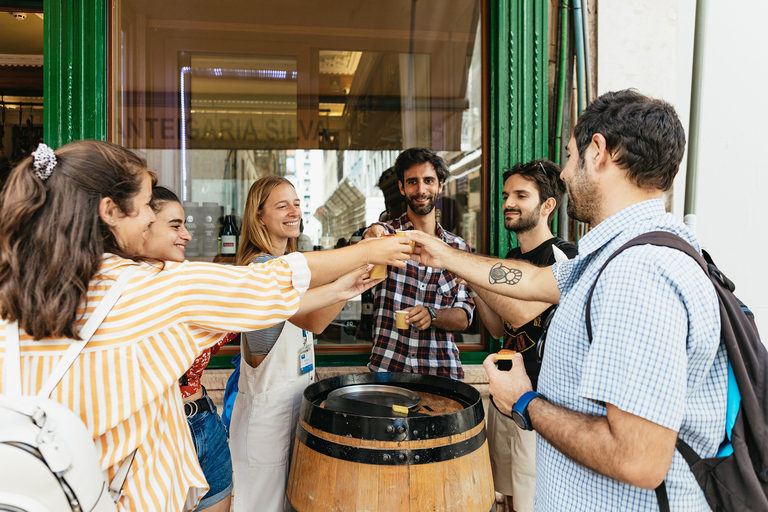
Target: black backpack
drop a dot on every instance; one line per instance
(738, 481)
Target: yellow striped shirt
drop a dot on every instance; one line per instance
(124, 384)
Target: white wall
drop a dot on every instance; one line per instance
(733, 185)
(649, 45)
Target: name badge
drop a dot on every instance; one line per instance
(306, 364)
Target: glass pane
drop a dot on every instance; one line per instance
(326, 94)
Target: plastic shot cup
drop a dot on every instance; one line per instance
(378, 272)
(403, 233)
(400, 322)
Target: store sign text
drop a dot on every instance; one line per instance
(161, 131)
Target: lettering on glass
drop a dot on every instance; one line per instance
(216, 131)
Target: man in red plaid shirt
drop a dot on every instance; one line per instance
(436, 304)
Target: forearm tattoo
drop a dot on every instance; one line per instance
(500, 274)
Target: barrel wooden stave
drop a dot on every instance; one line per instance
(323, 483)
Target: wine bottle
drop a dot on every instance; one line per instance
(229, 234)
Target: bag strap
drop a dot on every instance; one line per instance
(12, 360)
(662, 498)
(93, 323)
(116, 485)
(658, 238)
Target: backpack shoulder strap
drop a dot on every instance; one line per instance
(658, 238)
(93, 323)
(12, 360)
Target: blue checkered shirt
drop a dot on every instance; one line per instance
(655, 353)
(431, 351)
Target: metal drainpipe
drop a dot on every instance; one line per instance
(587, 59)
(562, 216)
(580, 72)
(691, 175)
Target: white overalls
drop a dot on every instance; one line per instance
(264, 420)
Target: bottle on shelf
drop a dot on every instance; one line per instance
(365, 327)
(304, 242)
(327, 242)
(193, 225)
(229, 234)
(210, 238)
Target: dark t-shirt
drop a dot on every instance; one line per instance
(525, 339)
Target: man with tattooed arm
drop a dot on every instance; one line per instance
(608, 413)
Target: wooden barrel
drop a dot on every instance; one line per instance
(434, 462)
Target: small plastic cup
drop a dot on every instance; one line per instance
(378, 272)
(403, 233)
(400, 320)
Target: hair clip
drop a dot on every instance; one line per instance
(45, 161)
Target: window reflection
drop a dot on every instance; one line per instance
(324, 93)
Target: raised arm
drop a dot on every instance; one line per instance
(327, 266)
(515, 311)
(511, 278)
(491, 320)
(320, 305)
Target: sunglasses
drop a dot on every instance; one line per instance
(543, 337)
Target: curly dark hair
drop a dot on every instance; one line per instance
(415, 156)
(643, 134)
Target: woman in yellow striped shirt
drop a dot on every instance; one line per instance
(71, 223)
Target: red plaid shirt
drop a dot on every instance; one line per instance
(432, 350)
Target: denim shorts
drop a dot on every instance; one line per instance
(210, 438)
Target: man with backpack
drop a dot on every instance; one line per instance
(609, 409)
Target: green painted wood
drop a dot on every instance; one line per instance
(329, 360)
(541, 83)
(518, 101)
(519, 98)
(75, 70)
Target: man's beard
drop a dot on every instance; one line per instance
(584, 199)
(525, 221)
(421, 210)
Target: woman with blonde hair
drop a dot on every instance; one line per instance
(73, 221)
(276, 364)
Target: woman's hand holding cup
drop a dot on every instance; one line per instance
(389, 250)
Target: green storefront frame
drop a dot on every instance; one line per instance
(76, 96)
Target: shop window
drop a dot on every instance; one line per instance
(21, 84)
(324, 94)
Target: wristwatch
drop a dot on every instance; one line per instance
(520, 410)
(432, 314)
